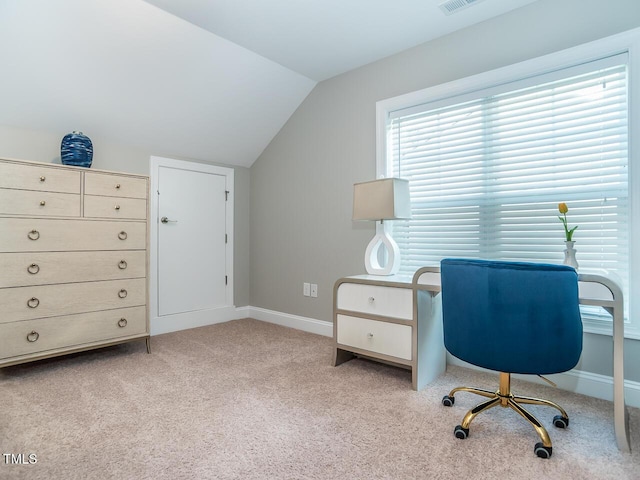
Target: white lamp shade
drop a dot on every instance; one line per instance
(385, 199)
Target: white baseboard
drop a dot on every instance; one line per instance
(184, 321)
(311, 325)
(577, 381)
(200, 318)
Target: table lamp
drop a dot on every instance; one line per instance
(379, 200)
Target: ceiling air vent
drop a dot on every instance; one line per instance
(453, 6)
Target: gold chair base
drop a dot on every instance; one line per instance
(504, 398)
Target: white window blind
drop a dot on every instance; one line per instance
(488, 169)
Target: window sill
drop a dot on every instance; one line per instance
(606, 328)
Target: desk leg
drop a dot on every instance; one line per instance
(431, 357)
(620, 413)
(341, 356)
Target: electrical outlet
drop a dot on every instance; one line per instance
(306, 289)
(314, 290)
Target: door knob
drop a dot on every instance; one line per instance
(166, 220)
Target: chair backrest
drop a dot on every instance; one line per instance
(513, 317)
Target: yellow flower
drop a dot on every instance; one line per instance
(563, 209)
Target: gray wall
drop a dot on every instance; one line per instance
(41, 146)
(301, 186)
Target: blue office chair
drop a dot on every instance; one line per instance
(511, 317)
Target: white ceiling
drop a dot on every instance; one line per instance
(216, 87)
(323, 38)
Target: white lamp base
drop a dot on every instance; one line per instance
(371, 256)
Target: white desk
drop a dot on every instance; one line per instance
(594, 290)
(386, 319)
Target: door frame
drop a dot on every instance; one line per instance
(198, 318)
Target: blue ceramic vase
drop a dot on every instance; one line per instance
(76, 149)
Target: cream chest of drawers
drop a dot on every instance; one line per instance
(73, 260)
(391, 319)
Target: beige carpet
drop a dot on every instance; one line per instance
(251, 400)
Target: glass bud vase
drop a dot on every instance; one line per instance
(570, 255)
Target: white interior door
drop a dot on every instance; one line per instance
(191, 240)
(191, 253)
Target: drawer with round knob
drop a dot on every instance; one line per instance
(377, 300)
(115, 207)
(25, 202)
(43, 268)
(45, 178)
(24, 303)
(104, 184)
(41, 234)
(42, 335)
(384, 338)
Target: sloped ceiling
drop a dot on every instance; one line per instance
(136, 75)
(323, 38)
(213, 80)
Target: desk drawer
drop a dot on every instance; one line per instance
(42, 268)
(41, 178)
(115, 207)
(25, 303)
(26, 202)
(377, 300)
(385, 338)
(114, 185)
(32, 336)
(38, 234)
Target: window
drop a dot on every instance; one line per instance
(488, 166)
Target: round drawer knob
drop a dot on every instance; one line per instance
(118, 186)
(369, 335)
(122, 293)
(372, 299)
(33, 336)
(122, 235)
(117, 207)
(122, 265)
(33, 302)
(122, 322)
(43, 178)
(43, 203)
(33, 268)
(33, 235)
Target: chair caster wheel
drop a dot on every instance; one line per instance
(541, 451)
(560, 421)
(460, 432)
(448, 401)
